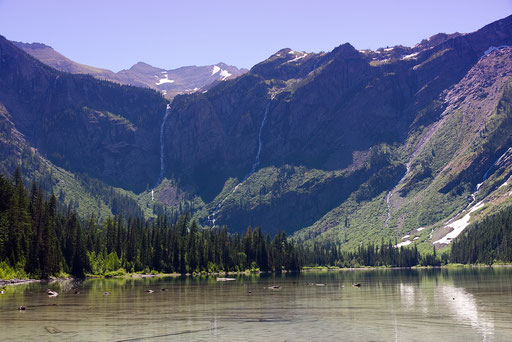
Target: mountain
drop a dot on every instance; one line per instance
(184, 80)
(49, 56)
(347, 146)
(85, 125)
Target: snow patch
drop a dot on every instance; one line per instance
(406, 236)
(225, 74)
(459, 225)
(299, 57)
(405, 243)
(164, 80)
(215, 70)
(411, 56)
(420, 229)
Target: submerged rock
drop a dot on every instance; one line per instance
(52, 293)
(275, 287)
(225, 279)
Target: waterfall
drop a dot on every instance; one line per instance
(471, 207)
(504, 157)
(161, 176)
(211, 218)
(260, 144)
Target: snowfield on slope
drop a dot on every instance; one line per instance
(458, 225)
(164, 80)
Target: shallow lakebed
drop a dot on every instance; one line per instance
(390, 305)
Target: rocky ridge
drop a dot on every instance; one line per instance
(184, 80)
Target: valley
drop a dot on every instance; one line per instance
(256, 171)
(346, 147)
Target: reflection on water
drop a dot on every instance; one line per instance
(407, 295)
(465, 309)
(391, 305)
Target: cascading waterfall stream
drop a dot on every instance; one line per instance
(211, 218)
(260, 144)
(419, 147)
(504, 157)
(471, 207)
(161, 176)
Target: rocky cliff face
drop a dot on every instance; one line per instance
(325, 107)
(327, 112)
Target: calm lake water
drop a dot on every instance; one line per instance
(391, 305)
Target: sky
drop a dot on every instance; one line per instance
(116, 34)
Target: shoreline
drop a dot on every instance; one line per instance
(126, 276)
(12, 282)
(18, 281)
(363, 268)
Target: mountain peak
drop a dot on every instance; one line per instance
(345, 50)
(142, 67)
(282, 52)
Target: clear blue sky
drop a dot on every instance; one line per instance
(116, 34)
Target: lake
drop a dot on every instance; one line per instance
(390, 305)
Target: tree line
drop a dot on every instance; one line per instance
(385, 254)
(39, 238)
(486, 242)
